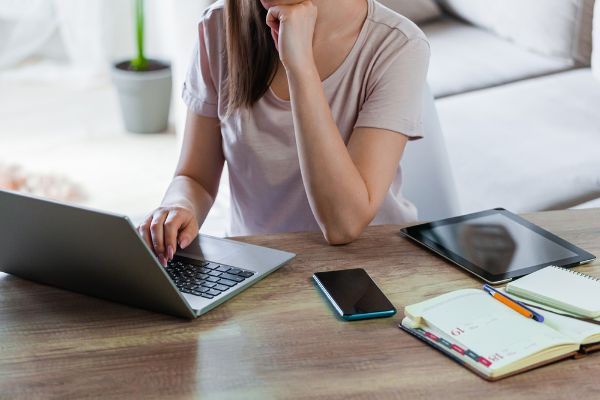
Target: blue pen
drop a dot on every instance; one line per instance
(535, 316)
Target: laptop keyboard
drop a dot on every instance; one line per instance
(205, 279)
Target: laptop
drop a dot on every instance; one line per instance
(101, 254)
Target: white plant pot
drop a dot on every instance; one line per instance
(144, 96)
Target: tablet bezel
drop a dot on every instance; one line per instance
(416, 233)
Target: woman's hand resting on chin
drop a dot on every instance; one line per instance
(292, 28)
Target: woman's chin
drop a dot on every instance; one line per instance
(272, 3)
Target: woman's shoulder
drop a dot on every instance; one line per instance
(388, 22)
(211, 30)
(213, 14)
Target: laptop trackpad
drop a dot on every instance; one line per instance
(213, 249)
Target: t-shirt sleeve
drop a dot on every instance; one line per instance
(394, 99)
(199, 90)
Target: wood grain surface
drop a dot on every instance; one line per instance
(278, 339)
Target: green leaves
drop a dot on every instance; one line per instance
(140, 62)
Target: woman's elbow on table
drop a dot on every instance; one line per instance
(342, 233)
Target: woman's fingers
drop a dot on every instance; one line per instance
(273, 23)
(166, 227)
(188, 233)
(176, 220)
(275, 37)
(144, 231)
(157, 232)
(273, 15)
(292, 28)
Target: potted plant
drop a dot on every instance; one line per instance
(144, 86)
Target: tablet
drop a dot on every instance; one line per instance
(496, 245)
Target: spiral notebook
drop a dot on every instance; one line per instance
(561, 288)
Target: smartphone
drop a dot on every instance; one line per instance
(353, 294)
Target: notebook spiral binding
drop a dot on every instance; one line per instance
(577, 273)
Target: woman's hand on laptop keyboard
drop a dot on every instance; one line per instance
(166, 227)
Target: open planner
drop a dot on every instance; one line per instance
(493, 340)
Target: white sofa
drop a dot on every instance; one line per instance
(517, 100)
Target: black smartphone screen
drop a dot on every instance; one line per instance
(353, 292)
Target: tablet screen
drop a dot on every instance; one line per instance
(497, 245)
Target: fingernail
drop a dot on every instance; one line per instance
(184, 242)
(170, 252)
(162, 260)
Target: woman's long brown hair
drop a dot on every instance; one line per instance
(251, 54)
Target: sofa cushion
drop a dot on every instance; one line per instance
(558, 28)
(415, 10)
(526, 146)
(465, 58)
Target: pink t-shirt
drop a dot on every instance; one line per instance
(380, 84)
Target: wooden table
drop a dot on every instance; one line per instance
(276, 340)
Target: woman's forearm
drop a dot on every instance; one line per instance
(185, 191)
(192, 191)
(337, 193)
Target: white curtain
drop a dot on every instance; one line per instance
(83, 26)
(76, 41)
(85, 37)
(70, 40)
(25, 27)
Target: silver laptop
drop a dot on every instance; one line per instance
(101, 254)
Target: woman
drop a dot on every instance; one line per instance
(311, 104)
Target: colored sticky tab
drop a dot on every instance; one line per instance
(458, 349)
(431, 336)
(445, 343)
(472, 354)
(485, 361)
